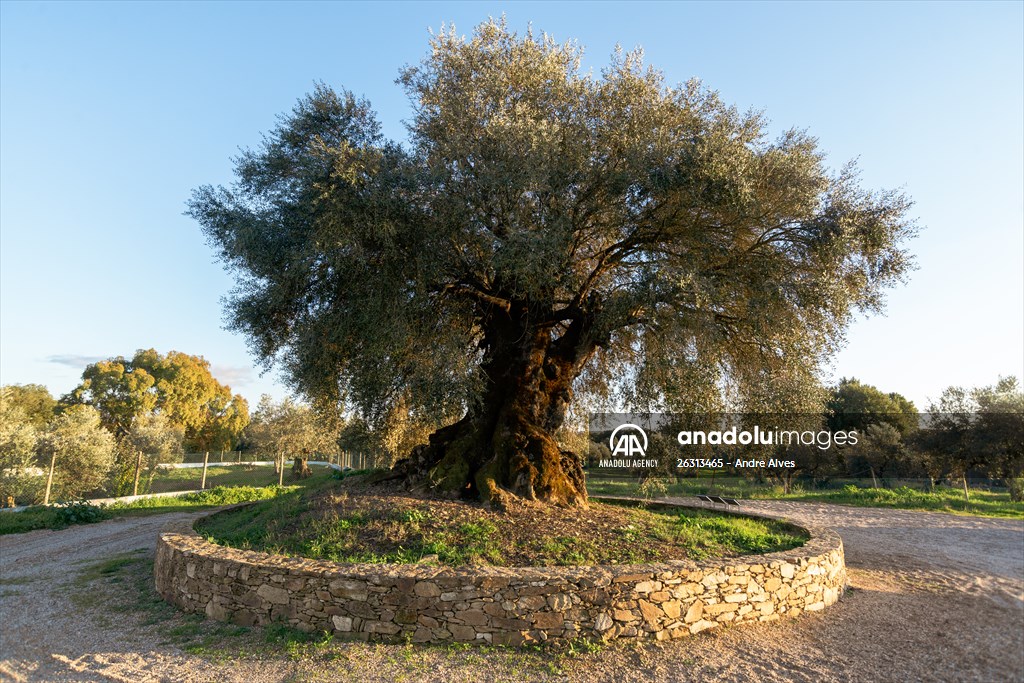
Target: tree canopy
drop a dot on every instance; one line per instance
(34, 400)
(177, 386)
(84, 449)
(291, 429)
(548, 235)
(855, 405)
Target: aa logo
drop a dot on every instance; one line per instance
(626, 441)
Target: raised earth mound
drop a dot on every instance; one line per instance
(354, 521)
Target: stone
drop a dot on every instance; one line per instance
(603, 622)
(694, 613)
(342, 623)
(426, 589)
(624, 615)
(385, 627)
(510, 624)
(548, 620)
(532, 602)
(559, 601)
(494, 609)
(347, 588)
(720, 608)
(650, 611)
(277, 596)
(736, 597)
(672, 609)
(490, 583)
(463, 633)
(473, 617)
(513, 639)
(648, 586)
(406, 616)
(703, 625)
(218, 612)
(787, 570)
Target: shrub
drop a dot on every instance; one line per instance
(79, 512)
(1015, 485)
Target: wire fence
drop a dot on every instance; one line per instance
(194, 472)
(356, 460)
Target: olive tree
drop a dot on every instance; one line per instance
(19, 476)
(82, 449)
(288, 427)
(546, 235)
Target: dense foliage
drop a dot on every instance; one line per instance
(176, 385)
(547, 234)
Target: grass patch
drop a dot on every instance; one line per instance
(365, 526)
(16, 581)
(40, 517)
(942, 499)
(237, 475)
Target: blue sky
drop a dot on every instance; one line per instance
(110, 114)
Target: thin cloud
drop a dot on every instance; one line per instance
(73, 360)
(232, 375)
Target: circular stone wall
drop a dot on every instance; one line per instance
(500, 605)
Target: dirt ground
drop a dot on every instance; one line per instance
(933, 597)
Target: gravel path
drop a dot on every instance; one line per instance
(933, 597)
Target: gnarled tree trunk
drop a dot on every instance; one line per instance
(505, 445)
(300, 467)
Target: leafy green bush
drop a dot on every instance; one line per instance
(1015, 486)
(79, 512)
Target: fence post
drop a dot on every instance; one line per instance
(280, 472)
(206, 461)
(49, 477)
(138, 466)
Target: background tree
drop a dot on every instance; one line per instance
(880, 447)
(999, 432)
(290, 429)
(35, 401)
(19, 474)
(854, 405)
(177, 386)
(547, 234)
(158, 439)
(357, 437)
(84, 449)
(948, 435)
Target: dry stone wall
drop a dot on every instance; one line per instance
(499, 605)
